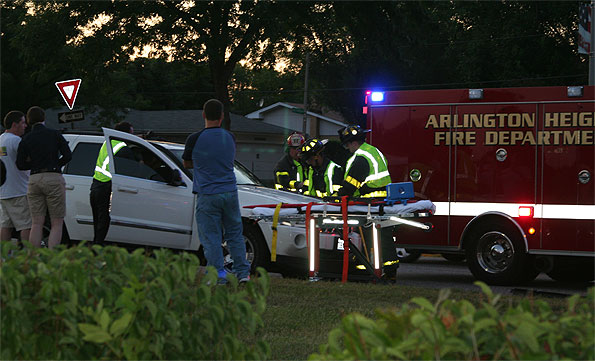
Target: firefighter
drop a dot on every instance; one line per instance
(290, 173)
(324, 175)
(366, 175)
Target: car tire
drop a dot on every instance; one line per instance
(407, 255)
(496, 255)
(257, 252)
(46, 233)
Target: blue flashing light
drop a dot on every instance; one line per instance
(377, 96)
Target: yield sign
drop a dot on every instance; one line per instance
(68, 89)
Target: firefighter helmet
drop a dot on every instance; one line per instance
(311, 148)
(352, 132)
(295, 140)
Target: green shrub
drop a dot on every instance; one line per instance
(92, 303)
(458, 330)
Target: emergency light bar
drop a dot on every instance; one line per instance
(377, 96)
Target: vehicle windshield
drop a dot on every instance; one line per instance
(243, 175)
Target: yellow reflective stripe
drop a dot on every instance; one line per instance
(374, 194)
(282, 173)
(390, 263)
(353, 181)
(274, 241)
(336, 188)
(307, 182)
(329, 175)
(278, 186)
(292, 184)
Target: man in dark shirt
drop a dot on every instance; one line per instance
(44, 151)
(211, 153)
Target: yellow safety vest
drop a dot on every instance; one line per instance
(102, 172)
(379, 176)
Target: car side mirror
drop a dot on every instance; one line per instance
(175, 178)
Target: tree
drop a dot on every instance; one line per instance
(455, 44)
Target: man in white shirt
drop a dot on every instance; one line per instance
(14, 209)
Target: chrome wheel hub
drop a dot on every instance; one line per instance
(495, 252)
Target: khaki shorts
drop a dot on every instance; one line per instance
(47, 193)
(14, 213)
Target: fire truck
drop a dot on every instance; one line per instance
(510, 171)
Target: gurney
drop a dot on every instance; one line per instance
(333, 213)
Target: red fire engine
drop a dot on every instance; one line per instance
(510, 171)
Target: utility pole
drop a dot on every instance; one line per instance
(306, 94)
(592, 47)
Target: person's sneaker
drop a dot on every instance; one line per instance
(245, 279)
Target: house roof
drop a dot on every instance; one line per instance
(167, 121)
(258, 114)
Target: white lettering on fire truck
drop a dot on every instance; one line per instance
(494, 129)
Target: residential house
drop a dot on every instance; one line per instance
(259, 144)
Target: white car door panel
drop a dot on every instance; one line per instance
(146, 211)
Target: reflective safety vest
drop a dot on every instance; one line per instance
(330, 187)
(102, 172)
(300, 177)
(379, 176)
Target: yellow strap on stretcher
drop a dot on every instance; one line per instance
(274, 241)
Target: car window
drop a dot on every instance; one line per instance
(135, 160)
(243, 175)
(84, 157)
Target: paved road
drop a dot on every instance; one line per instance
(436, 272)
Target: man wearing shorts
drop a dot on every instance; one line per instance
(44, 151)
(14, 210)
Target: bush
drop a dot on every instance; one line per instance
(458, 330)
(93, 302)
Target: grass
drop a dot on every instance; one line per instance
(300, 314)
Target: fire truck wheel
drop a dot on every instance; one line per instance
(496, 254)
(572, 270)
(408, 255)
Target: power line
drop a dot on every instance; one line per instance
(390, 87)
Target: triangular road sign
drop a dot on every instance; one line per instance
(68, 89)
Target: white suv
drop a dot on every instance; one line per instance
(153, 205)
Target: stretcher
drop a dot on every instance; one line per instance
(344, 215)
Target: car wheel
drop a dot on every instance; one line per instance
(407, 255)
(257, 252)
(572, 270)
(496, 254)
(46, 234)
(453, 257)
